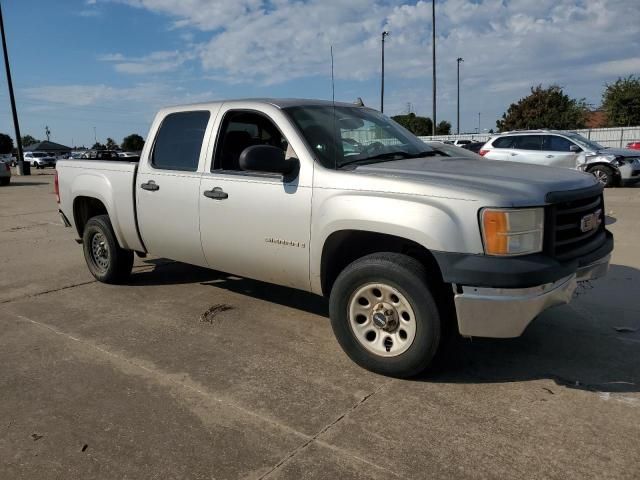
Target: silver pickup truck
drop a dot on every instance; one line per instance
(409, 243)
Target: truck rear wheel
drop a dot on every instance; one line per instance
(384, 315)
(107, 262)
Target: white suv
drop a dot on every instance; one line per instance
(565, 149)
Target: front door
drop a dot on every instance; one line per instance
(255, 224)
(557, 151)
(168, 187)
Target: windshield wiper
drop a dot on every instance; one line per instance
(398, 155)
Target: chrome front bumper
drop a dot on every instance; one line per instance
(506, 312)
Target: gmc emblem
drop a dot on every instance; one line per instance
(591, 221)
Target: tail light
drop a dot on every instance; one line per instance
(6, 167)
(56, 187)
(483, 152)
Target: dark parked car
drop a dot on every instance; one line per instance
(473, 146)
(107, 155)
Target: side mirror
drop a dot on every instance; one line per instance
(574, 148)
(266, 158)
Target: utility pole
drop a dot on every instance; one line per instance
(384, 34)
(433, 50)
(460, 59)
(47, 132)
(479, 122)
(95, 136)
(23, 169)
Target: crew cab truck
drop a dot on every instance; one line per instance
(408, 242)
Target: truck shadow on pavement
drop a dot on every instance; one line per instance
(167, 272)
(593, 344)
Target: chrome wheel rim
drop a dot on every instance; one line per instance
(100, 251)
(382, 320)
(601, 176)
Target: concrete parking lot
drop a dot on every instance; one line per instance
(100, 381)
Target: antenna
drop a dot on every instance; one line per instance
(333, 103)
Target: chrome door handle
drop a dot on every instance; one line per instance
(150, 186)
(550, 156)
(217, 194)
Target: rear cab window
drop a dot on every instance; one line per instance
(179, 139)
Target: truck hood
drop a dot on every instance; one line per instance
(505, 183)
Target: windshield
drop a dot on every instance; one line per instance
(39, 154)
(354, 135)
(583, 142)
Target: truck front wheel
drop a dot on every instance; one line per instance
(107, 262)
(384, 315)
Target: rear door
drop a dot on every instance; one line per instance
(557, 151)
(500, 148)
(168, 183)
(527, 149)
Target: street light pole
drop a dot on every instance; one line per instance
(460, 59)
(479, 122)
(21, 165)
(433, 51)
(384, 34)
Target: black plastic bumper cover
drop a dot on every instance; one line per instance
(512, 272)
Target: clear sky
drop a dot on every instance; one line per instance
(109, 64)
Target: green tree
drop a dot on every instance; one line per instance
(28, 140)
(111, 144)
(133, 143)
(420, 126)
(443, 128)
(544, 108)
(98, 146)
(621, 102)
(6, 143)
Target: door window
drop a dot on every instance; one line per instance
(553, 143)
(503, 142)
(179, 140)
(243, 129)
(528, 142)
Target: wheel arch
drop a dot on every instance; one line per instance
(343, 247)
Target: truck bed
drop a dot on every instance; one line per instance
(112, 183)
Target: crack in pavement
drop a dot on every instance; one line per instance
(164, 377)
(315, 439)
(66, 287)
(161, 375)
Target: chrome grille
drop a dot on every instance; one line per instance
(568, 234)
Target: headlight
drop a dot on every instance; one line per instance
(512, 231)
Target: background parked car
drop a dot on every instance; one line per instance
(458, 142)
(473, 146)
(5, 172)
(452, 150)
(128, 154)
(634, 145)
(101, 155)
(610, 166)
(40, 159)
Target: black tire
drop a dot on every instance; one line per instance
(604, 175)
(410, 278)
(108, 265)
(4, 181)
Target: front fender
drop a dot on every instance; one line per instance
(440, 224)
